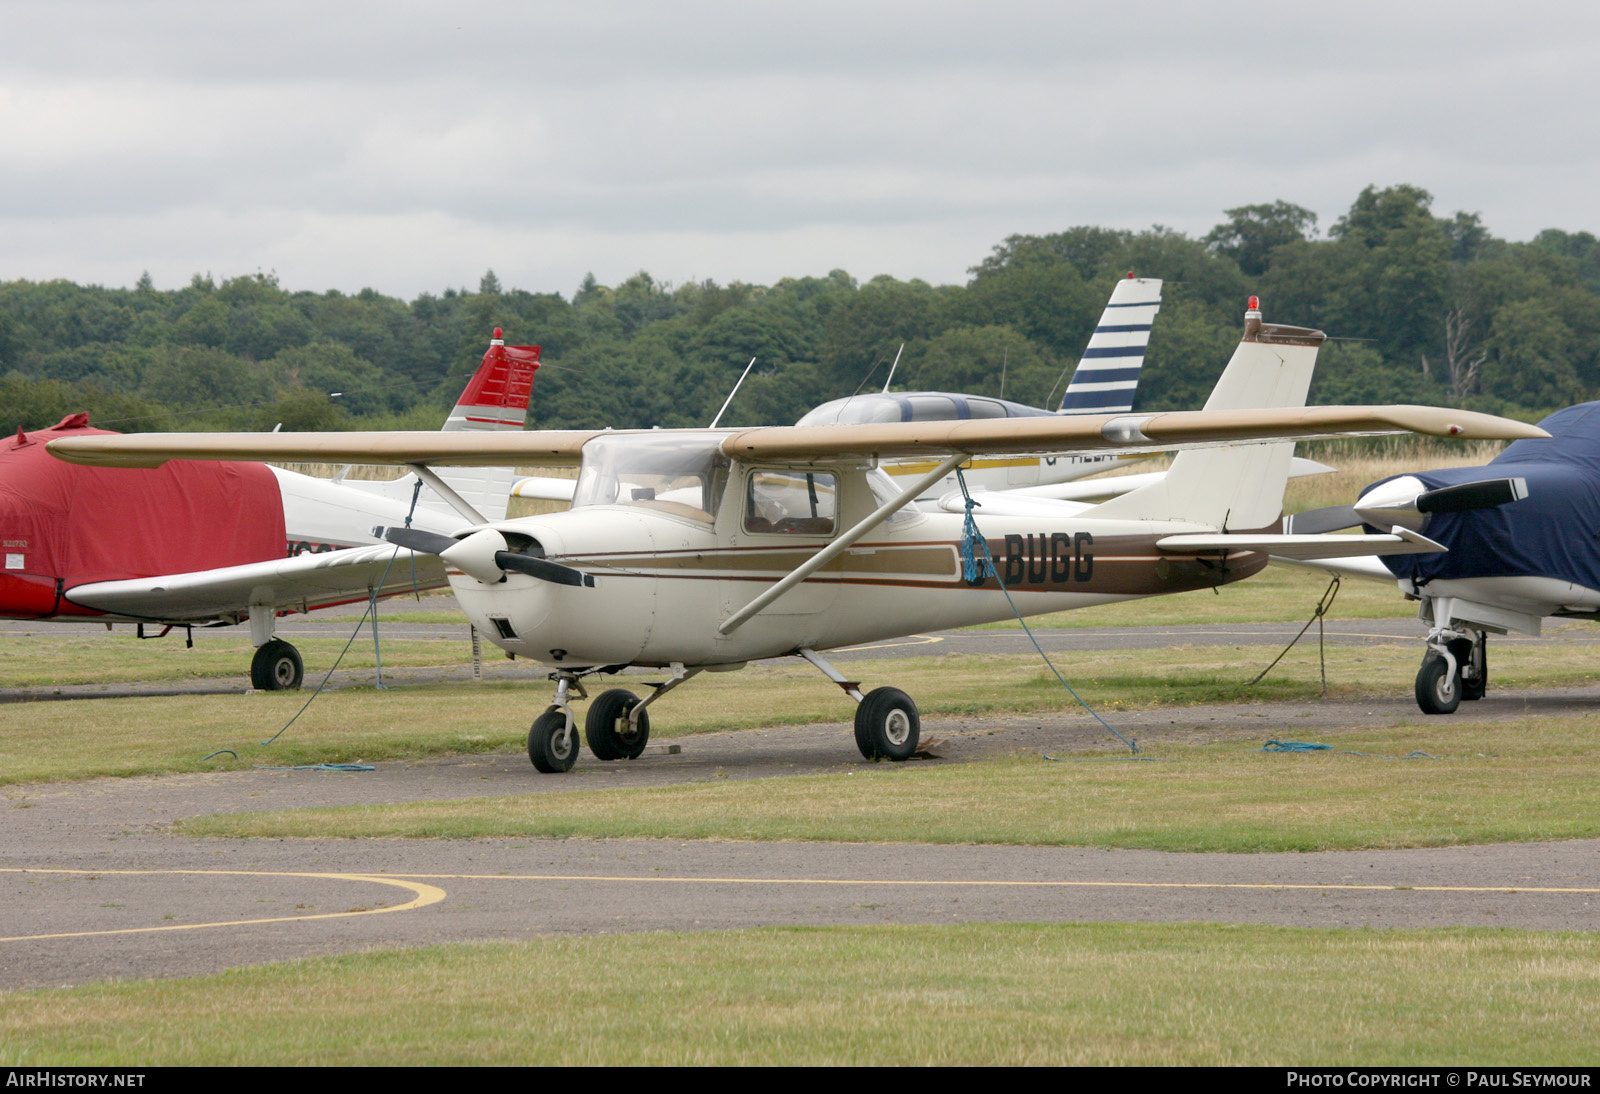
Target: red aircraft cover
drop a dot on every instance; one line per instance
(63, 525)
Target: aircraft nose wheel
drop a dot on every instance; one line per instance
(276, 667)
(887, 725)
(1438, 688)
(552, 747)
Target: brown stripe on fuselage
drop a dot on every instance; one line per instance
(1044, 562)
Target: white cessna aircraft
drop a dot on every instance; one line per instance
(209, 544)
(701, 550)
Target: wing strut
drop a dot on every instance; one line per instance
(840, 545)
(451, 498)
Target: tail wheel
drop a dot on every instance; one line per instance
(276, 667)
(611, 735)
(551, 748)
(887, 725)
(1438, 689)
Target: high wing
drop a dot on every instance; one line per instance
(1054, 434)
(300, 583)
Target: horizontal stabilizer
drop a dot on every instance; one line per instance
(1084, 490)
(1366, 567)
(1011, 503)
(1315, 522)
(1402, 542)
(544, 488)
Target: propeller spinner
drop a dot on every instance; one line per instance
(485, 555)
(1405, 503)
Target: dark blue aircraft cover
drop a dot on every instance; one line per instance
(1550, 533)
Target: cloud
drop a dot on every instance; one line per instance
(399, 145)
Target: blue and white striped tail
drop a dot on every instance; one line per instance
(1108, 374)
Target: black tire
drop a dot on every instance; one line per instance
(1438, 691)
(887, 725)
(545, 745)
(611, 737)
(1474, 652)
(276, 667)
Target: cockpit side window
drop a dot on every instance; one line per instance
(796, 503)
(934, 408)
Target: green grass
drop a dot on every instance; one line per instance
(156, 735)
(1531, 779)
(966, 994)
(45, 658)
(1279, 594)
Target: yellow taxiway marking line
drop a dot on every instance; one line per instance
(1000, 884)
(910, 640)
(423, 895)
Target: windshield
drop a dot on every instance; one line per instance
(670, 472)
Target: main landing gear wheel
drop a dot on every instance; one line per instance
(276, 667)
(611, 735)
(887, 725)
(1438, 689)
(1472, 654)
(551, 748)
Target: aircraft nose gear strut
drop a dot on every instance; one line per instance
(1456, 667)
(617, 727)
(553, 737)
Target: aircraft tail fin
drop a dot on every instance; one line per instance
(1237, 487)
(1107, 375)
(496, 398)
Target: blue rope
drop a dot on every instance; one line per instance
(318, 767)
(1276, 745)
(972, 542)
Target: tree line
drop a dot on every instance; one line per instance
(1419, 308)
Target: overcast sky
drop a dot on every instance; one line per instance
(410, 146)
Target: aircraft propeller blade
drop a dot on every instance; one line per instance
(415, 539)
(1316, 522)
(1403, 503)
(1472, 495)
(467, 554)
(543, 569)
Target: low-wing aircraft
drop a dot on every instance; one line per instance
(1521, 539)
(197, 544)
(701, 550)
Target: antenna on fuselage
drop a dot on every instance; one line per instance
(892, 367)
(731, 394)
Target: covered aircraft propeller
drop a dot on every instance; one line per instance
(1404, 503)
(485, 555)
